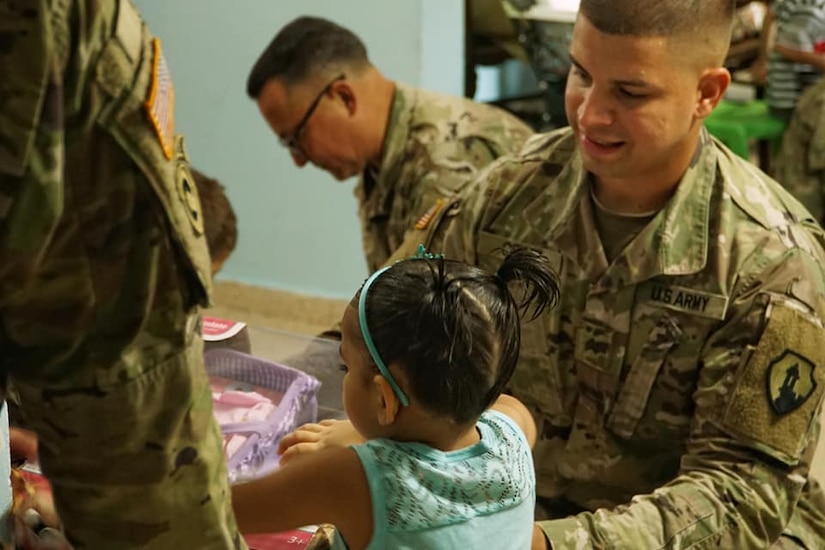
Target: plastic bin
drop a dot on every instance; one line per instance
(298, 405)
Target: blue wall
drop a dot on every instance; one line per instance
(298, 228)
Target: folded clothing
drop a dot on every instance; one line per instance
(256, 403)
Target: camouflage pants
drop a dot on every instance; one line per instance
(166, 483)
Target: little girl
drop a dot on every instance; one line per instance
(428, 345)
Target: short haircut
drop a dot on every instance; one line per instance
(304, 48)
(219, 222)
(708, 21)
(453, 328)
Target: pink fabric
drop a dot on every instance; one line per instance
(240, 403)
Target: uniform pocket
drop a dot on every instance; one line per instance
(634, 394)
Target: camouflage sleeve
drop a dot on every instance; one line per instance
(800, 163)
(30, 184)
(439, 182)
(753, 432)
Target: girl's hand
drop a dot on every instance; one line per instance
(311, 438)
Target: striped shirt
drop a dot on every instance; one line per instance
(800, 25)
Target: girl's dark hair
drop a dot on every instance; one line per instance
(454, 328)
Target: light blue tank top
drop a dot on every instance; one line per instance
(482, 496)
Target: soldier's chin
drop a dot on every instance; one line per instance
(344, 173)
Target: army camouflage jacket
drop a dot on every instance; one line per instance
(103, 268)
(434, 145)
(676, 389)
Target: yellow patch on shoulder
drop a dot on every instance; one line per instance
(160, 105)
(424, 221)
(779, 390)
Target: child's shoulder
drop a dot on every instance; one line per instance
(499, 420)
(505, 439)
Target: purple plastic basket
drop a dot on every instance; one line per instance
(299, 405)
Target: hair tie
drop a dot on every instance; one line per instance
(421, 253)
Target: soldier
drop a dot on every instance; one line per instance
(677, 386)
(103, 267)
(328, 105)
(800, 162)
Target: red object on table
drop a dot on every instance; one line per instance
(35, 479)
(297, 539)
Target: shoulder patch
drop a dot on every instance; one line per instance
(160, 106)
(424, 221)
(780, 388)
(790, 381)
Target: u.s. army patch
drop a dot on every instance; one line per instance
(688, 300)
(790, 381)
(160, 105)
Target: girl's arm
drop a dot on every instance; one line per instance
(518, 413)
(325, 487)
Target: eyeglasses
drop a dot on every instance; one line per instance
(291, 142)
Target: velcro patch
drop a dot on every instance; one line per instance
(780, 388)
(160, 105)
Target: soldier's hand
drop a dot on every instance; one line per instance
(539, 539)
(311, 438)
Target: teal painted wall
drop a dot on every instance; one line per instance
(298, 228)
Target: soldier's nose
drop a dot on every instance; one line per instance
(594, 111)
(298, 158)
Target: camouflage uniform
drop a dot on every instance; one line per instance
(103, 265)
(676, 389)
(434, 145)
(800, 163)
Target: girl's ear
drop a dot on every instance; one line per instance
(388, 403)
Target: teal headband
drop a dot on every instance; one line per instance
(365, 331)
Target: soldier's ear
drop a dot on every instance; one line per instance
(712, 86)
(344, 91)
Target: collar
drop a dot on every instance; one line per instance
(373, 189)
(562, 213)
